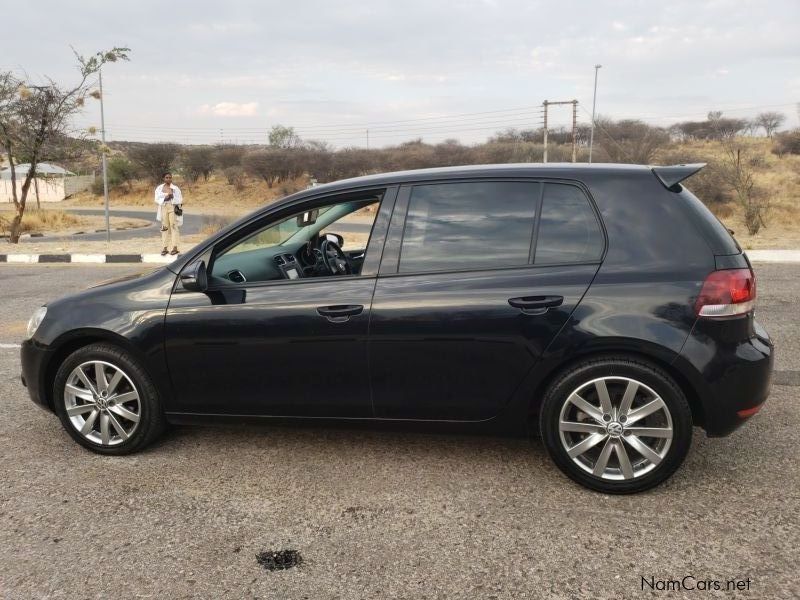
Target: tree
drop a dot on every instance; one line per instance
(770, 121)
(722, 128)
(198, 161)
(35, 122)
(121, 171)
(629, 141)
(284, 137)
(265, 164)
(154, 159)
(228, 156)
(738, 174)
(235, 177)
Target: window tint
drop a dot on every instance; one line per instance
(471, 226)
(568, 231)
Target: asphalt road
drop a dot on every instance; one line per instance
(380, 514)
(191, 224)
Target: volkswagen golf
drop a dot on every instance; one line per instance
(603, 306)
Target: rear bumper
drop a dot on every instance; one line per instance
(34, 360)
(731, 373)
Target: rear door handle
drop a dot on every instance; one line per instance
(536, 305)
(340, 313)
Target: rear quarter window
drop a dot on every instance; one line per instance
(569, 231)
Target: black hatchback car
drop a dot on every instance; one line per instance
(602, 304)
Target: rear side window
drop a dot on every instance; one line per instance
(569, 231)
(469, 226)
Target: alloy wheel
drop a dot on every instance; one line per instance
(615, 428)
(102, 403)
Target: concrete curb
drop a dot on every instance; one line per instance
(756, 256)
(87, 258)
(773, 256)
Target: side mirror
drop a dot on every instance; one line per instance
(194, 277)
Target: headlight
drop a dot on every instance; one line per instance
(36, 320)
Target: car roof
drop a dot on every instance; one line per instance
(555, 170)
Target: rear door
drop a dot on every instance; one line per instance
(477, 278)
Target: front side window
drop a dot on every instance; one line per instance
(569, 231)
(325, 241)
(469, 226)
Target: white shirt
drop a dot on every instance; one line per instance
(161, 197)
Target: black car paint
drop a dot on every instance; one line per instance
(638, 300)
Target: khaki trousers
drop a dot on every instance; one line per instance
(169, 226)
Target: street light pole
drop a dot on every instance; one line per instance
(594, 103)
(103, 153)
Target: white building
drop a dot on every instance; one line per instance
(51, 184)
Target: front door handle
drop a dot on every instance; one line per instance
(536, 305)
(340, 313)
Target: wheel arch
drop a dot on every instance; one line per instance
(653, 354)
(73, 341)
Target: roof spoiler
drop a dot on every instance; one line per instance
(674, 174)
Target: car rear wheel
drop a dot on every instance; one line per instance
(106, 401)
(616, 425)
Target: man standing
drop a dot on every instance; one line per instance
(170, 213)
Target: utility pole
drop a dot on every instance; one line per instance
(103, 155)
(574, 125)
(367, 139)
(594, 103)
(574, 130)
(544, 157)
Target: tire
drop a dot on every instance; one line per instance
(125, 417)
(609, 450)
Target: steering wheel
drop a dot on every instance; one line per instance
(335, 258)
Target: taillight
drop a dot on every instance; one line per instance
(727, 293)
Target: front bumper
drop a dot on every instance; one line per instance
(731, 373)
(35, 359)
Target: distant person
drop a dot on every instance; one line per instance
(169, 214)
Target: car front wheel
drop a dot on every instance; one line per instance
(106, 401)
(616, 425)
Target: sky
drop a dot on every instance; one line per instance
(353, 73)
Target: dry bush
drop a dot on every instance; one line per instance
(38, 221)
(211, 224)
(787, 142)
(197, 162)
(628, 141)
(235, 176)
(264, 164)
(229, 156)
(153, 160)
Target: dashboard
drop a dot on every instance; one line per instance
(279, 262)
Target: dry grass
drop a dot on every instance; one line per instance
(214, 196)
(776, 177)
(38, 221)
(213, 223)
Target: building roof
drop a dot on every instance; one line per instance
(41, 169)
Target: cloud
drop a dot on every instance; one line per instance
(229, 109)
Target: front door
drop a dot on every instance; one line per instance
(274, 335)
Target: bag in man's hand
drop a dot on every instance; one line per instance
(178, 210)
